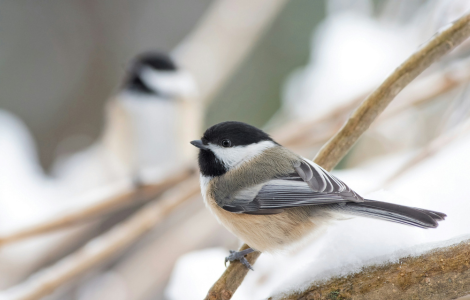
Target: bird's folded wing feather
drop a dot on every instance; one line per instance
(309, 185)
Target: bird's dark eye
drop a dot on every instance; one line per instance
(226, 143)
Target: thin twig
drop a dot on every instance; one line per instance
(432, 148)
(104, 246)
(339, 145)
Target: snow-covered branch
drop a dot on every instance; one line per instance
(357, 124)
(429, 276)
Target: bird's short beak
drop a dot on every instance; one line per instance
(199, 144)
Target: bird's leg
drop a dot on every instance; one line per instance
(240, 256)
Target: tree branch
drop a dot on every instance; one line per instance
(96, 209)
(338, 146)
(103, 247)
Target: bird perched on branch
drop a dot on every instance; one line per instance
(144, 130)
(272, 198)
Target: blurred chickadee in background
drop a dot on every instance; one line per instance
(145, 127)
(272, 199)
(149, 106)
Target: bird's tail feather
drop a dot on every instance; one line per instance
(394, 213)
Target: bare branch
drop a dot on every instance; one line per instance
(104, 246)
(96, 209)
(432, 148)
(337, 147)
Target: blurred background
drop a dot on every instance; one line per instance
(313, 61)
(72, 56)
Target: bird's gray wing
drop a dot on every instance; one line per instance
(309, 185)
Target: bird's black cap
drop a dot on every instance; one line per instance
(225, 134)
(239, 134)
(156, 60)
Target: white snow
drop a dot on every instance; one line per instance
(351, 54)
(28, 196)
(194, 273)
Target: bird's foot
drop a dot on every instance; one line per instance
(240, 256)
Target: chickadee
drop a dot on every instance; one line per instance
(272, 198)
(150, 103)
(145, 127)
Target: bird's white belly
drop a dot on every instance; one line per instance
(266, 233)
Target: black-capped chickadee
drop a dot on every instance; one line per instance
(151, 99)
(272, 198)
(145, 127)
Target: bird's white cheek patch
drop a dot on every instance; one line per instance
(231, 157)
(177, 83)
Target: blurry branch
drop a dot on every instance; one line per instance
(296, 131)
(417, 93)
(103, 247)
(428, 88)
(227, 33)
(438, 274)
(338, 146)
(199, 229)
(96, 209)
(432, 148)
